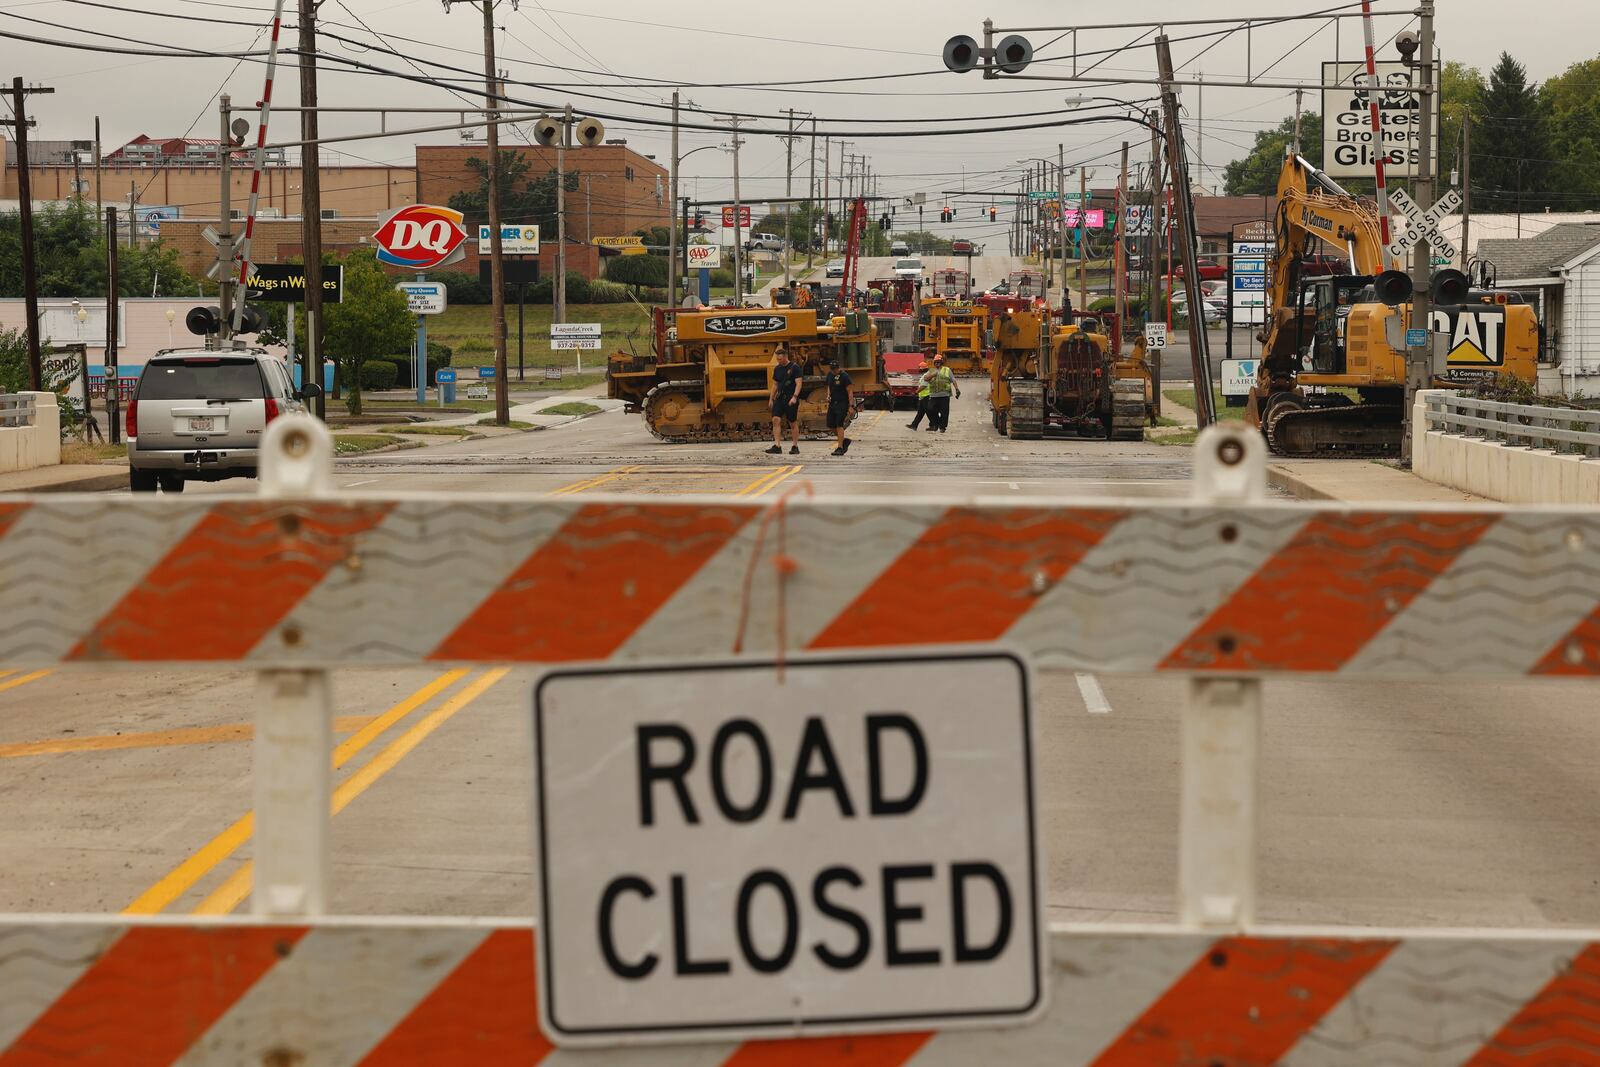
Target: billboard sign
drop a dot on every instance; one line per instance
(744, 215)
(704, 257)
(514, 240)
(1347, 143)
(285, 283)
(420, 237)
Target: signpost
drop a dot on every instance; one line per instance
(422, 237)
(424, 298)
(631, 245)
(1238, 377)
(446, 377)
(285, 283)
(1253, 245)
(1155, 335)
(724, 855)
(1424, 225)
(1347, 149)
(576, 336)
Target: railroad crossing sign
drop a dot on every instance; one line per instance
(1424, 225)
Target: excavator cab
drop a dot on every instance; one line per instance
(1331, 299)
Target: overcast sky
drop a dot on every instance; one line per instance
(607, 45)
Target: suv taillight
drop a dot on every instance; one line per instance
(272, 408)
(131, 423)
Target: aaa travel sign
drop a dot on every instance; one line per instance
(420, 237)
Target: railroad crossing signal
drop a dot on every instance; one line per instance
(1424, 225)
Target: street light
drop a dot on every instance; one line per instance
(170, 316)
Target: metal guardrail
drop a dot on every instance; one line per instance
(1575, 431)
(17, 409)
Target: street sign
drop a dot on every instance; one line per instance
(1424, 225)
(444, 375)
(424, 298)
(723, 854)
(285, 283)
(1155, 335)
(744, 215)
(420, 237)
(1347, 147)
(704, 257)
(624, 243)
(1042, 194)
(1416, 338)
(514, 240)
(486, 372)
(1238, 376)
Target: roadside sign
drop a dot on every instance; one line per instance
(420, 237)
(444, 376)
(1238, 376)
(583, 343)
(1347, 148)
(486, 372)
(1042, 194)
(1416, 338)
(477, 392)
(1155, 335)
(860, 854)
(424, 298)
(1424, 225)
(285, 283)
(744, 215)
(704, 257)
(627, 243)
(514, 240)
(1252, 245)
(574, 335)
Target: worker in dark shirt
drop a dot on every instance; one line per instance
(838, 404)
(785, 402)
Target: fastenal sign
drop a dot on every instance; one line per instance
(514, 240)
(724, 851)
(420, 236)
(1347, 145)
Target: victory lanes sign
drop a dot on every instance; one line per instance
(725, 851)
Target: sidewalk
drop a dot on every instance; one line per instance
(67, 478)
(529, 412)
(1361, 481)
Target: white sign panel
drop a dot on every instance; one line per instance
(575, 329)
(1347, 145)
(1238, 376)
(514, 240)
(424, 298)
(1424, 225)
(704, 257)
(584, 343)
(1248, 280)
(727, 853)
(1155, 335)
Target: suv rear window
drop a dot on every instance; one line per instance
(201, 378)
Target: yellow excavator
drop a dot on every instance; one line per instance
(709, 374)
(1333, 361)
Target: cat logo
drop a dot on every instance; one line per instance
(1477, 334)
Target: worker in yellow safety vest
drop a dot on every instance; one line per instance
(922, 400)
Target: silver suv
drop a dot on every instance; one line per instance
(199, 415)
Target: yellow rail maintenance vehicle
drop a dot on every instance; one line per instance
(709, 375)
(956, 330)
(1067, 378)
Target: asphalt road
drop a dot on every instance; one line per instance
(1387, 804)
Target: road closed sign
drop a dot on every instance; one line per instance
(724, 851)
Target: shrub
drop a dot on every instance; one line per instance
(604, 292)
(376, 374)
(722, 278)
(462, 288)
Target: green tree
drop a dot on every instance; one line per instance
(1511, 167)
(637, 270)
(926, 242)
(1572, 102)
(1460, 88)
(1257, 173)
(70, 250)
(371, 321)
(13, 360)
(523, 200)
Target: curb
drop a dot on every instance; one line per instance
(1299, 487)
(100, 483)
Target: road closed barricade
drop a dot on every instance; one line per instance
(772, 823)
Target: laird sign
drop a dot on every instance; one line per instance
(723, 853)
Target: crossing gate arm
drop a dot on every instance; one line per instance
(401, 991)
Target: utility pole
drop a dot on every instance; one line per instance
(311, 205)
(588, 208)
(1298, 93)
(1152, 251)
(1466, 188)
(1119, 258)
(788, 191)
(99, 207)
(1183, 191)
(827, 204)
(811, 195)
(30, 267)
(1419, 360)
(673, 296)
(1061, 177)
(133, 202)
(1083, 240)
(112, 393)
(738, 250)
(559, 295)
(497, 266)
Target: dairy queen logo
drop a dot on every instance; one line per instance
(745, 325)
(420, 237)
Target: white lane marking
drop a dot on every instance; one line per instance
(1014, 485)
(1094, 698)
(352, 485)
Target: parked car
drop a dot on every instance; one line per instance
(198, 415)
(1209, 269)
(899, 248)
(764, 242)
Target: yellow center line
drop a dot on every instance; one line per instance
(5, 673)
(783, 476)
(230, 893)
(590, 483)
(32, 676)
(754, 488)
(178, 881)
(191, 735)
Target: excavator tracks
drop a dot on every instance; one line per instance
(675, 412)
(1352, 430)
(1025, 419)
(1127, 409)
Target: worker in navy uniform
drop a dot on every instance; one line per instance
(785, 401)
(838, 382)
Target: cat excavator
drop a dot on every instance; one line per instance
(1333, 361)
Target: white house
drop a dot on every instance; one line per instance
(1559, 272)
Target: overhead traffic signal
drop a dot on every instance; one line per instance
(994, 213)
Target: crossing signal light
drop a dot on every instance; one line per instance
(1449, 287)
(1013, 54)
(207, 321)
(961, 54)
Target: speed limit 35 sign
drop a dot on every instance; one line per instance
(724, 851)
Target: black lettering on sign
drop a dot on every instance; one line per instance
(969, 953)
(816, 742)
(680, 938)
(845, 961)
(719, 786)
(791, 922)
(894, 913)
(628, 883)
(651, 772)
(877, 725)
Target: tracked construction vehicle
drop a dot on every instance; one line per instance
(958, 330)
(709, 374)
(1066, 379)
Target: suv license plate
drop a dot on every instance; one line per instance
(202, 424)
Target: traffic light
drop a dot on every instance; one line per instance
(994, 213)
(944, 214)
(885, 223)
(699, 220)
(952, 214)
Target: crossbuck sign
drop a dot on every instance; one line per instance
(1424, 225)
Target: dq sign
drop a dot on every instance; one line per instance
(420, 237)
